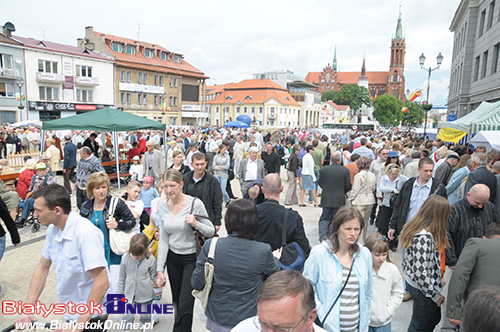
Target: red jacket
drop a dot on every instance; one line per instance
(23, 183)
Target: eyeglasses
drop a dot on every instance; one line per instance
(265, 328)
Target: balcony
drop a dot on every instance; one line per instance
(49, 77)
(87, 81)
(9, 73)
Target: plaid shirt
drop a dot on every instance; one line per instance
(36, 181)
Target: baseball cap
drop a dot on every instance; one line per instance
(40, 166)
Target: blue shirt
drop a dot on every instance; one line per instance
(454, 184)
(147, 196)
(418, 196)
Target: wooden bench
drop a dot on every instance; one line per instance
(113, 176)
(11, 176)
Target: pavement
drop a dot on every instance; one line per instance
(18, 264)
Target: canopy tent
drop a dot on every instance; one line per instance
(237, 124)
(485, 117)
(490, 139)
(106, 119)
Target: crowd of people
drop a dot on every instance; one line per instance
(436, 202)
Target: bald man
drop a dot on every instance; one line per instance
(272, 215)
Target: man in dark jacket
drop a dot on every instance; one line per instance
(481, 175)
(69, 163)
(203, 185)
(271, 218)
(335, 181)
(92, 144)
(443, 172)
(271, 159)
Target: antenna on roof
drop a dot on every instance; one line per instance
(138, 31)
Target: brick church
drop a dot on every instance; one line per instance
(377, 82)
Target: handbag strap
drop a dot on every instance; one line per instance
(283, 233)
(211, 251)
(338, 296)
(112, 206)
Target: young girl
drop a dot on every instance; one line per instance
(148, 193)
(136, 170)
(387, 289)
(423, 236)
(137, 278)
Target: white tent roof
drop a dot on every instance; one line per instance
(486, 116)
(490, 139)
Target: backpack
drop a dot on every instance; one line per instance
(292, 255)
(328, 153)
(143, 220)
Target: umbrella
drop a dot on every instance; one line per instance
(27, 123)
(245, 118)
(237, 124)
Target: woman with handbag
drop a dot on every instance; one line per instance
(181, 216)
(238, 274)
(340, 270)
(97, 209)
(390, 185)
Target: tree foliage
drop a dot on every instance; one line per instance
(410, 118)
(350, 94)
(387, 110)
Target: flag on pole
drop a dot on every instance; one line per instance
(415, 95)
(404, 109)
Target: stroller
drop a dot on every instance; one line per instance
(30, 220)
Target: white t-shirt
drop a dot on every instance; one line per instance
(247, 325)
(137, 206)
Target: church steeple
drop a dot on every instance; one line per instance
(363, 68)
(334, 66)
(399, 27)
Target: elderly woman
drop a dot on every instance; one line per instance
(96, 209)
(340, 270)
(390, 185)
(179, 216)
(361, 195)
(238, 275)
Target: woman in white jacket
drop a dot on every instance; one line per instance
(387, 288)
(308, 177)
(361, 195)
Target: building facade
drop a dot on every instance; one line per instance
(151, 81)
(333, 113)
(475, 67)
(266, 102)
(310, 102)
(282, 77)
(64, 80)
(12, 77)
(377, 83)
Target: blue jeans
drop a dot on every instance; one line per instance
(223, 184)
(27, 207)
(426, 314)
(385, 328)
(324, 222)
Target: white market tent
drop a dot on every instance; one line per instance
(490, 139)
(485, 117)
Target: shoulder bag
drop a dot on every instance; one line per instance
(119, 240)
(319, 322)
(204, 294)
(200, 238)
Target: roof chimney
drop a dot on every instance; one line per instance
(8, 29)
(79, 42)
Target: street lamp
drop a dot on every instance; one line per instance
(439, 60)
(20, 84)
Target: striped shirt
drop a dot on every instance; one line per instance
(349, 303)
(465, 222)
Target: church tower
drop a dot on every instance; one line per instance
(363, 80)
(396, 78)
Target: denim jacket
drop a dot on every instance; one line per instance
(324, 271)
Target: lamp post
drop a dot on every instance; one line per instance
(421, 59)
(20, 84)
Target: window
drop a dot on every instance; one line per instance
(116, 47)
(476, 73)
(128, 98)
(7, 90)
(237, 109)
(47, 66)
(177, 58)
(84, 71)
(161, 80)
(129, 77)
(164, 56)
(145, 79)
(175, 82)
(148, 53)
(261, 110)
(130, 50)
(122, 76)
(122, 98)
(170, 100)
(139, 99)
(156, 80)
(48, 93)
(156, 100)
(253, 109)
(492, 11)
(496, 57)
(84, 95)
(139, 78)
(481, 22)
(175, 102)
(144, 99)
(6, 61)
(485, 64)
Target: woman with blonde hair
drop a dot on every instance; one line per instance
(423, 237)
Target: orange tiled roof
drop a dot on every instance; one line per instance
(313, 77)
(250, 92)
(140, 61)
(327, 112)
(337, 107)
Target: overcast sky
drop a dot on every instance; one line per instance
(229, 40)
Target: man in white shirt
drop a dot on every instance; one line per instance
(251, 168)
(211, 148)
(285, 301)
(76, 248)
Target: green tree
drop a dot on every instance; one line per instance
(410, 118)
(435, 121)
(328, 95)
(387, 110)
(353, 95)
